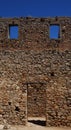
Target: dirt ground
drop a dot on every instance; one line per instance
(31, 126)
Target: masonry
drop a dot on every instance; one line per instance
(35, 71)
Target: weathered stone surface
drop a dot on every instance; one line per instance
(35, 61)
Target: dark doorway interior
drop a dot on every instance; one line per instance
(38, 122)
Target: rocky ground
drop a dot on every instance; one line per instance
(31, 126)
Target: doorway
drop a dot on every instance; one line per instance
(36, 103)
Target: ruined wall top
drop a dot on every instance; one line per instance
(34, 33)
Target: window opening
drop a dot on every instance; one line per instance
(13, 31)
(54, 31)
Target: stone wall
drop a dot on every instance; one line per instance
(36, 59)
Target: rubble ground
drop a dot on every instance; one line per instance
(31, 126)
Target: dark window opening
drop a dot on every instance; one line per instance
(54, 31)
(13, 31)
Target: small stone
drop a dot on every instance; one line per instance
(5, 127)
